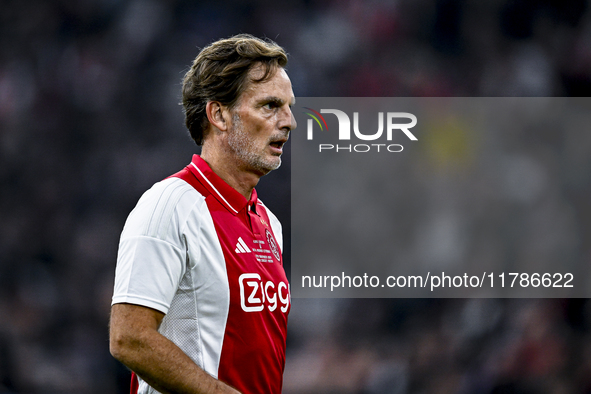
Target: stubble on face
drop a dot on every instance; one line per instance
(246, 150)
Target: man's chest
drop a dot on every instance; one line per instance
(253, 261)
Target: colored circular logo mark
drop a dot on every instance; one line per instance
(273, 245)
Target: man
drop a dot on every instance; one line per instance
(201, 298)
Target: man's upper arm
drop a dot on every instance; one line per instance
(130, 318)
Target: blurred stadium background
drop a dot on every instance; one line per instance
(89, 119)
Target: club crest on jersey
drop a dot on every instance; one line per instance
(273, 245)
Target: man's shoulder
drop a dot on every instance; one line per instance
(172, 189)
(170, 200)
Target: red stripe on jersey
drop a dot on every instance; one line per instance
(134, 386)
(253, 349)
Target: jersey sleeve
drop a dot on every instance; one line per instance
(152, 250)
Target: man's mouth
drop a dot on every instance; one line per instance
(277, 144)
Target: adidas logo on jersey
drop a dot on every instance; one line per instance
(241, 246)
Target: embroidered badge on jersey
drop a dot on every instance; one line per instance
(272, 244)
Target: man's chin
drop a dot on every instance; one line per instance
(265, 167)
(271, 165)
(274, 164)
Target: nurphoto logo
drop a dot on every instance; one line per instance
(395, 122)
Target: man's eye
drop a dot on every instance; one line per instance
(270, 105)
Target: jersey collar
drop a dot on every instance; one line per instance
(231, 199)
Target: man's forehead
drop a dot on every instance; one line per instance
(277, 80)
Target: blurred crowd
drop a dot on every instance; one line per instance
(89, 119)
(523, 346)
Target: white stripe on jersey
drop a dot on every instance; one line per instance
(243, 244)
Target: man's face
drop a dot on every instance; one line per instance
(261, 122)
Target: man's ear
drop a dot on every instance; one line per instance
(217, 114)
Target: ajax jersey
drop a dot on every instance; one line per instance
(210, 260)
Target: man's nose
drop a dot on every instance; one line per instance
(287, 120)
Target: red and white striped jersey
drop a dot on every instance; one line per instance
(210, 260)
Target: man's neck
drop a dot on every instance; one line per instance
(226, 168)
